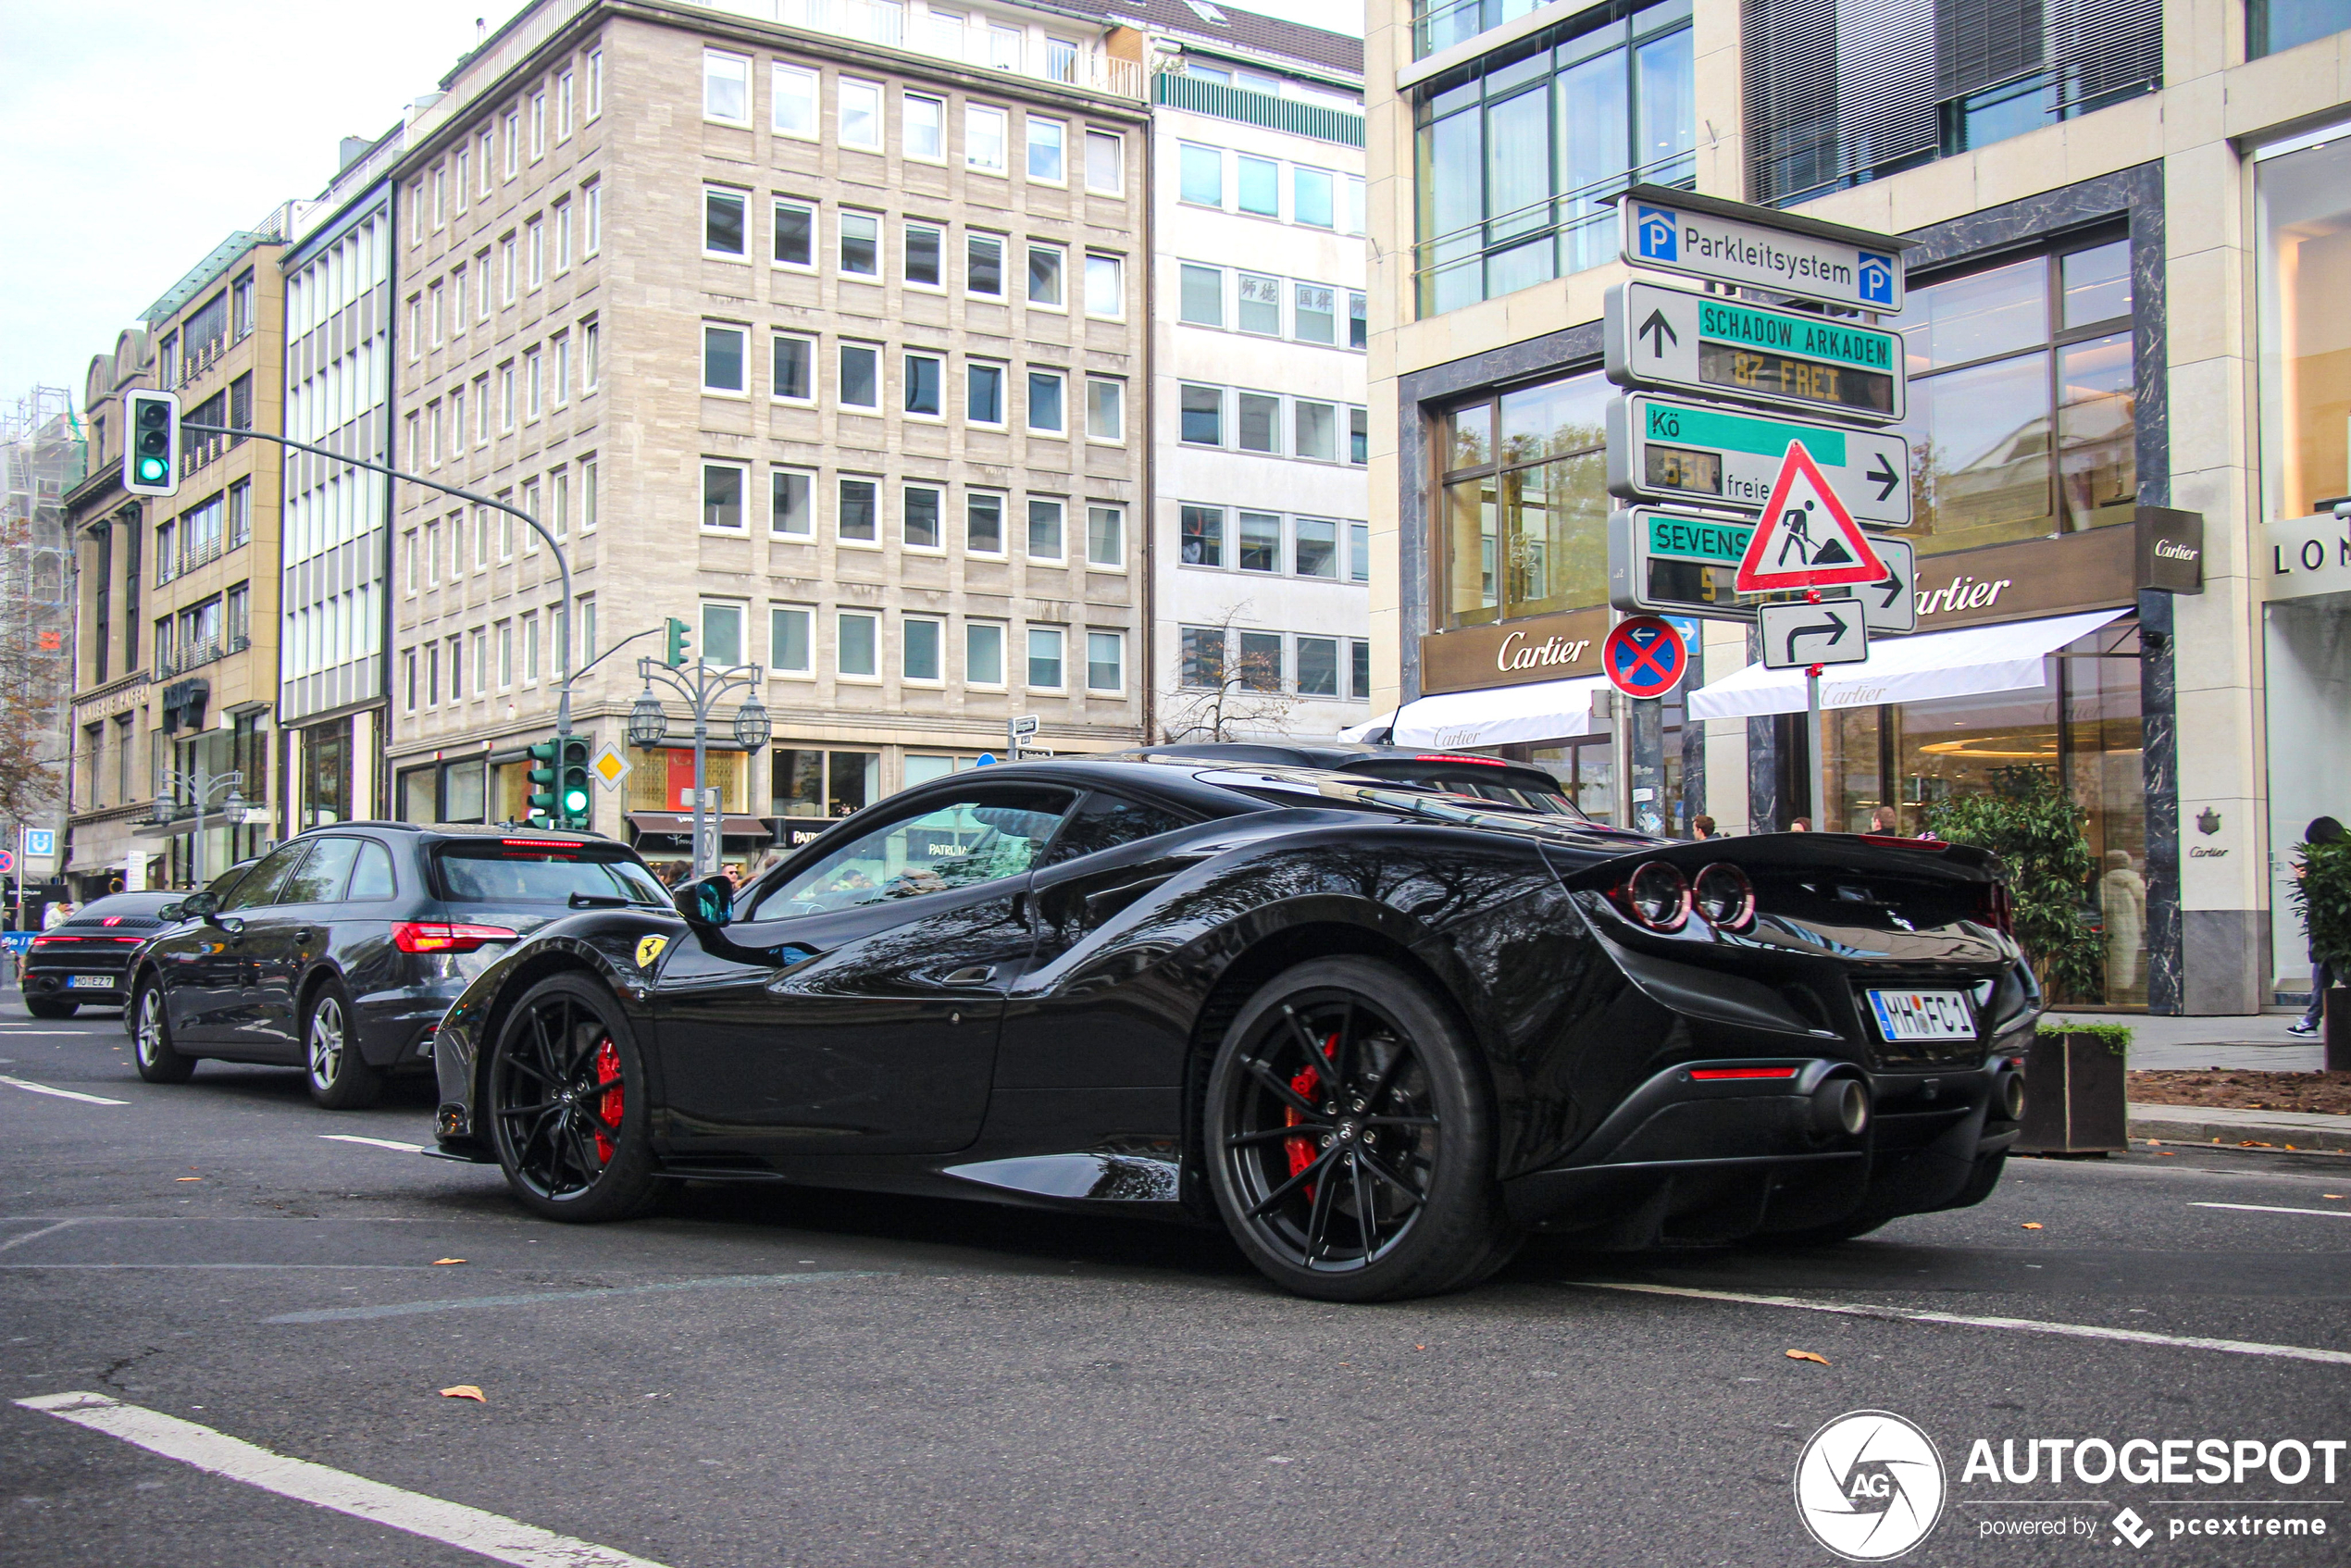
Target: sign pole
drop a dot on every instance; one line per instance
(1813, 746)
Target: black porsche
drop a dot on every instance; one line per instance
(1377, 1030)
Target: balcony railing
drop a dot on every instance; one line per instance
(1441, 24)
(189, 557)
(211, 651)
(1551, 238)
(883, 22)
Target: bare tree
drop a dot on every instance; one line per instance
(1236, 700)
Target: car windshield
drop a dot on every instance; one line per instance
(954, 846)
(530, 872)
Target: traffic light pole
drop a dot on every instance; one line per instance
(563, 562)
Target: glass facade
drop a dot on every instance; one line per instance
(2023, 416)
(2303, 212)
(1519, 153)
(1525, 504)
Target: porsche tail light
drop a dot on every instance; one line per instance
(1658, 895)
(1724, 895)
(439, 936)
(1998, 910)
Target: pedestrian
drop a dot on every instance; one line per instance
(57, 915)
(2122, 902)
(2322, 830)
(1801, 825)
(1702, 826)
(1885, 819)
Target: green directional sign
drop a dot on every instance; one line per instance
(1662, 561)
(1676, 536)
(1722, 347)
(1666, 449)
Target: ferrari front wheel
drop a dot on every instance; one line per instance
(565, 1103)
(1349, 1137)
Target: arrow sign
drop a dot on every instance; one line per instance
(1658, 329)
(1708, 454)
(1831, 632)
(1834, 366)
(1807, 538)
(1891, 607)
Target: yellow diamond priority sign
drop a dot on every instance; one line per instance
(610, 766)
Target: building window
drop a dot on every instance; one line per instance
(1106, 410)
(983, 139)
(726, 89)
(563, 106)
(1106, 661)
(1201, 415)
(1314, 427)
(795, 234)
(793, 113)
(563, 243)
(722, 357)
(860, 244)
(241, 306)
(918, 518)
(858, 506)
(983, 654)
(1105, 163)
(722, 634)
(1359, 327)
(1314, 316)
(1044, 529)
(1257, 187)
(722, 496)
(590, 360)
(1045, 139)
(984, 393)
(1200, 656)
(1315, 548)
(789, 629)
(1524, 513)
(854, 646)
(239, 518)
(538, 126)
(983, 524)
(1200, 294)
(925, 261)
(791, 511)
(794, 367)
(592, 237)
(1202, 541)
(861, 114)
(1045, 275)
(1257, 423)
(2303, 210)
(1359, 552)
(984, 265)
(1359, 674)
(919, 656)
(1105, 536)
(1259, 543)
(587, 494)
(1044, 658)
(722, 223)
(1106, 287)
(2022, 420)
(1318, 667)
(1520, 154)
(923, 128)
(1045, 413)
(1309, 195)
(1200, 174)
(1260, 668)
(1260, 304)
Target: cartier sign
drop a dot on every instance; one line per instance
(2092, 570)
(1514, 653)
(2171, 550)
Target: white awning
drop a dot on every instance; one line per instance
(1542, 710)
(1965, 663)
(1356, 734)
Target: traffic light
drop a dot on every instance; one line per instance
(676, 633)
(572, 801)
(542, 784)
(151, 443)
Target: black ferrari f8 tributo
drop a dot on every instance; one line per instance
(1377, 1031)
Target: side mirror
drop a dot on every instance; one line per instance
(196, 906)
(706, 900)
(168, 911)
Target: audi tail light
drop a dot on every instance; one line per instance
(437, 935)
(1723, 896)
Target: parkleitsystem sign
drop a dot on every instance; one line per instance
(1714, 240)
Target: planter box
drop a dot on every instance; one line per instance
(2336, 1029)
(2074, 1096)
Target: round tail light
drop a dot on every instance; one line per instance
(1725, 896)
(1658, 896)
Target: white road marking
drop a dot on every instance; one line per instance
(36, 1234)
(2271, 1208)
(458, 1304)
(469, 1529)
(60, 1094)
(373, 1142)
(2021, 1325)
(27, 1034)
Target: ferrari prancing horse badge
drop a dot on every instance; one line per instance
(649, 949)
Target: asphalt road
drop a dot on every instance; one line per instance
(806, 1377)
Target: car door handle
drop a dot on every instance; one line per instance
(974, 975)
(304, 936)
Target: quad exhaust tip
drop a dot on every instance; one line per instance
(1841, 1105)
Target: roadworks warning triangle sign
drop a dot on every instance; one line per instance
(1807, 538)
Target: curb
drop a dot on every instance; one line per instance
(2272, 1135)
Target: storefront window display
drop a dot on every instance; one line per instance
(2303, 199)
(1525, 502)
(2082, 722)
(2023, 416)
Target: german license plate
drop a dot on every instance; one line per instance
(90, 982)
(1922, 1014)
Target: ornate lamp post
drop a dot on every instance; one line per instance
(701, 687)
(200, 786)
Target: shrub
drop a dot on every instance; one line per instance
(2032, 823)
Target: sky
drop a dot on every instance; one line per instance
(138, 134)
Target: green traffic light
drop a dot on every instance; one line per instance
(575, 803)
(154, 470)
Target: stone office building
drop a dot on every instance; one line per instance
(822, 335)
(2126, 232)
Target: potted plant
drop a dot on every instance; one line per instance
(2322, 892)
(2075, 1100)
(2032, 822)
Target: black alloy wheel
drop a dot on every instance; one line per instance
(1351, 1138)
(567, 1104)
(151, 1036)
(339, 1076)
(44, 1007)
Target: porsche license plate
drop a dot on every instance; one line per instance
(90, 982)
(1903, 1015)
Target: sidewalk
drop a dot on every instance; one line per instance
(2207, 1124)
(2256, 1040)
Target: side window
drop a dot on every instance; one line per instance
(261, 883)
(372, 878)
(959, 842)
(1106, 821)
(321, 878)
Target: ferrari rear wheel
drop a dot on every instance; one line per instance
(567, 1104)
(1351, 1138)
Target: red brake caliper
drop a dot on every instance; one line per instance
(1308, 1085)
(610, 1104)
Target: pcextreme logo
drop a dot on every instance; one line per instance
(1870, 1485)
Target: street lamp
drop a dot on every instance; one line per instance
(701, 687)
(200, 786)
